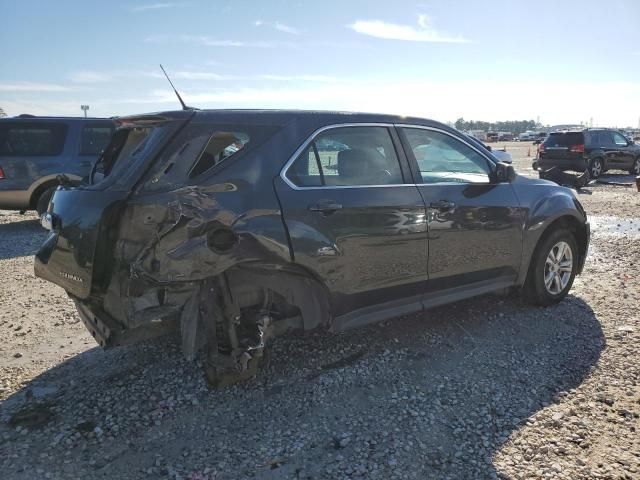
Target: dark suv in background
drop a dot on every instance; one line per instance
(594, 149)
(35, 150)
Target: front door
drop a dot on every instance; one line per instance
(355, 218)
(625, 155)
(475, 224)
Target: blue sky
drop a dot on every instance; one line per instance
(561, 61)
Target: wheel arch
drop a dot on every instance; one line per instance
(571, 222)
(43, 184)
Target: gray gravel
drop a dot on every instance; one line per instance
(486, 388)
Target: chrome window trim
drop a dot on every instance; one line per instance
(305, 144)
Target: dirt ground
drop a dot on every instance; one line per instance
(486, 388)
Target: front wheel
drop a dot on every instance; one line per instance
(596, 168)
(552, 269)
(635, 168)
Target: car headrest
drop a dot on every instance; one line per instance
(354, 163)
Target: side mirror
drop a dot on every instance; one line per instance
(505, 172)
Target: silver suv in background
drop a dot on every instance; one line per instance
(35, 151)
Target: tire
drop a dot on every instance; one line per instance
(544, 265)
(635, 167)
(596, 167)
(43, 201)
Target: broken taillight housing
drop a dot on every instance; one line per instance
(1, 173)
(577, 148)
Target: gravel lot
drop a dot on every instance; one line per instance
(486, 388)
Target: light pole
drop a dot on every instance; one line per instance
(84, 108)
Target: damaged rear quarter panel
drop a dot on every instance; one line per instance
(179, 228)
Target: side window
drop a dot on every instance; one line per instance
(200, 147)
(443, 158)
(221, 145)
(94, 138)
(348, 156)
(605, 139)
(24, 139)
(619, 139)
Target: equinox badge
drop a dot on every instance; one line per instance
(70, 276)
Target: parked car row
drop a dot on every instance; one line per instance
(229, 227)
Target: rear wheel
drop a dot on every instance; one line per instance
(635, 168)
(596, 167)
(43, 201)
(552, 268)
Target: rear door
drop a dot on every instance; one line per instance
(475, 224)
(624, 154)
(608, 148)
(567, 147)
(355, 218)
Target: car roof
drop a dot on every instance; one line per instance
(267, 116)
(34, 118)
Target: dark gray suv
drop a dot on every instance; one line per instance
(231, 227)
(35, 150)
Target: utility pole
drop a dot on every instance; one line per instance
(84, 108)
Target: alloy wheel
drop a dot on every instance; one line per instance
(596, 168)
(558, 268)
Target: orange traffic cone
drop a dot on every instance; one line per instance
(529, 152)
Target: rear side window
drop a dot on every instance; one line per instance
(200, 148)
(221, 145)
(347, 156)
(22, 139)
(94, 138)
(564, 139)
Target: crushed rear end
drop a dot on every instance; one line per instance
(154, 248)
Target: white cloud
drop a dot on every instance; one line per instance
(303, 78)
(281, 27)
(33, 87)
(206, 41)
(155, 6)
(424, 32)
(90, 77)
(188, 75)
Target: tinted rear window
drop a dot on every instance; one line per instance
(564, 139)
(22, 139)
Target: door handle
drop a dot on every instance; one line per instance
(443, 205)
(325, 206)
